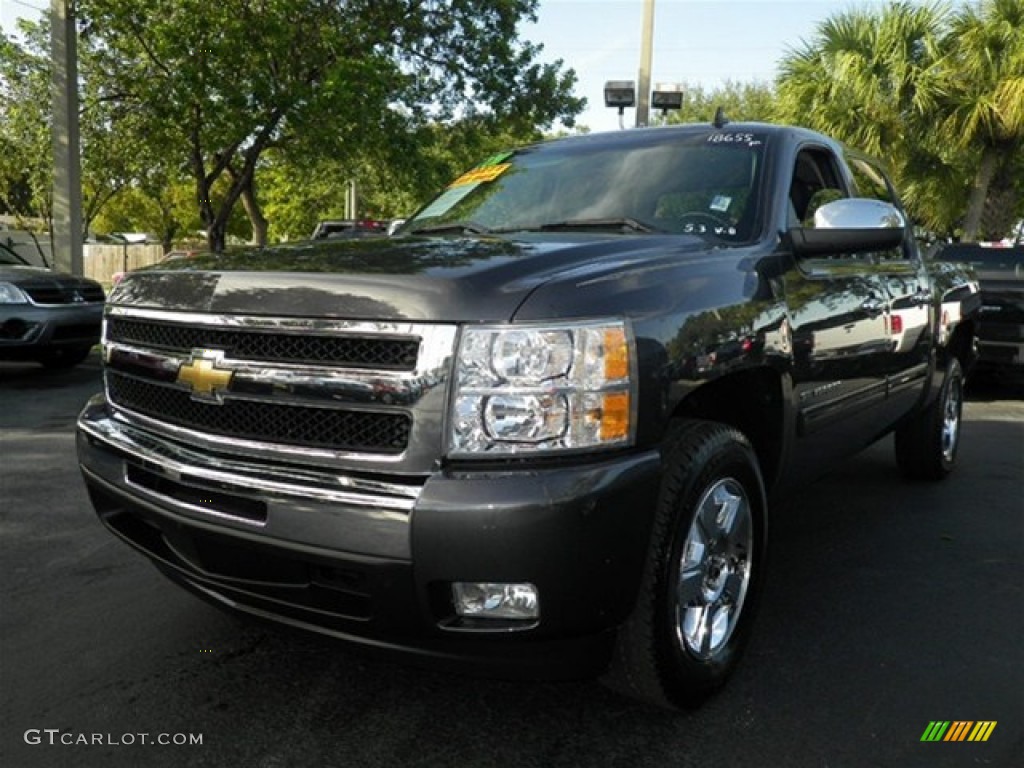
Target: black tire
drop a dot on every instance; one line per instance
(62, 358)
(926, 446)
(668, 653)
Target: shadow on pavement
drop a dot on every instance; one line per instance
(24, 376)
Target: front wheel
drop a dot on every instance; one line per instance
(703, 572)
(926, 446)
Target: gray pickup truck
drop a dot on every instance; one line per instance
(541, 429)
(1000, 328)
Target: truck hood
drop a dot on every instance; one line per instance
(414, 279)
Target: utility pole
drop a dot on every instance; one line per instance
(66, 234)
(351, 200)
(643, 96)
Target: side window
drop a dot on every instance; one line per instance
(815, 182)
(870, 181)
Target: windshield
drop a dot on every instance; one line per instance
(7, 256)
(705, 185)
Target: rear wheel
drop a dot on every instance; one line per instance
(703, 573)
(926, 446)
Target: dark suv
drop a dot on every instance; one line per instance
(45, 316)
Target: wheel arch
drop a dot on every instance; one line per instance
(751, 401)
(961, 345)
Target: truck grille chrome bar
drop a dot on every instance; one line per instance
(283, 347)
(176, 462)
(304, 389)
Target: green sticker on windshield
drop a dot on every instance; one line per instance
(446, 201)
(495, 159)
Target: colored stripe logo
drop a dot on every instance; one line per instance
(958, 730)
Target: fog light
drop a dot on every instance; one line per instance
(483, 600)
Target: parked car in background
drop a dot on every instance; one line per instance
(47, 317)
(342, 228)
(1000, 271)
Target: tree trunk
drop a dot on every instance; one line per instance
(999, 219)
(979, 193)
(216, 221)
(258, 221)
(215, 232)
(167, 237)
(216, 236)
(168, 225)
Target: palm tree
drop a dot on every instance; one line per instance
(868, 78)
(873, 80)
(983, 108)
(938, 95)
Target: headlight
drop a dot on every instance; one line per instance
(12, 294)
(532, 389)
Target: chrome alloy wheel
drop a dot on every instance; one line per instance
(714, 570)
(951, 419)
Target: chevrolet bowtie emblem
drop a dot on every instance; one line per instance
(202, 375)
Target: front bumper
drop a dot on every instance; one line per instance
(372, 560)
(1001, 345)
(28, 331)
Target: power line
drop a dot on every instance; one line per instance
(29, 5)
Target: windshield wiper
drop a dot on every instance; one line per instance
(626, 224)
(459, 227)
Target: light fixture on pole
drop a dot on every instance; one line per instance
(619, 94)
(667, 96)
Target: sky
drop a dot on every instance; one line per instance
(698, 42)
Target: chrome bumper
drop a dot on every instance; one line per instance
(299, 505)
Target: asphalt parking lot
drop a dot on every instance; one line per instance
(888, 606)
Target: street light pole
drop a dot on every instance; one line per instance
(66, 234)
(643, 101)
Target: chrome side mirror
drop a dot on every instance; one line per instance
(858, 213)
(849, 225)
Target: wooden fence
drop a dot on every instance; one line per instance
(102, 261)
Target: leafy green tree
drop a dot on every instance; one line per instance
(165, 206)
(748, 102)
(393, 180)
(225, 82)
(983, 110)
(113, 142)
(25, 166)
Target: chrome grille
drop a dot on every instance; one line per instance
(244, 344)
(318, 391)
(287, 424)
